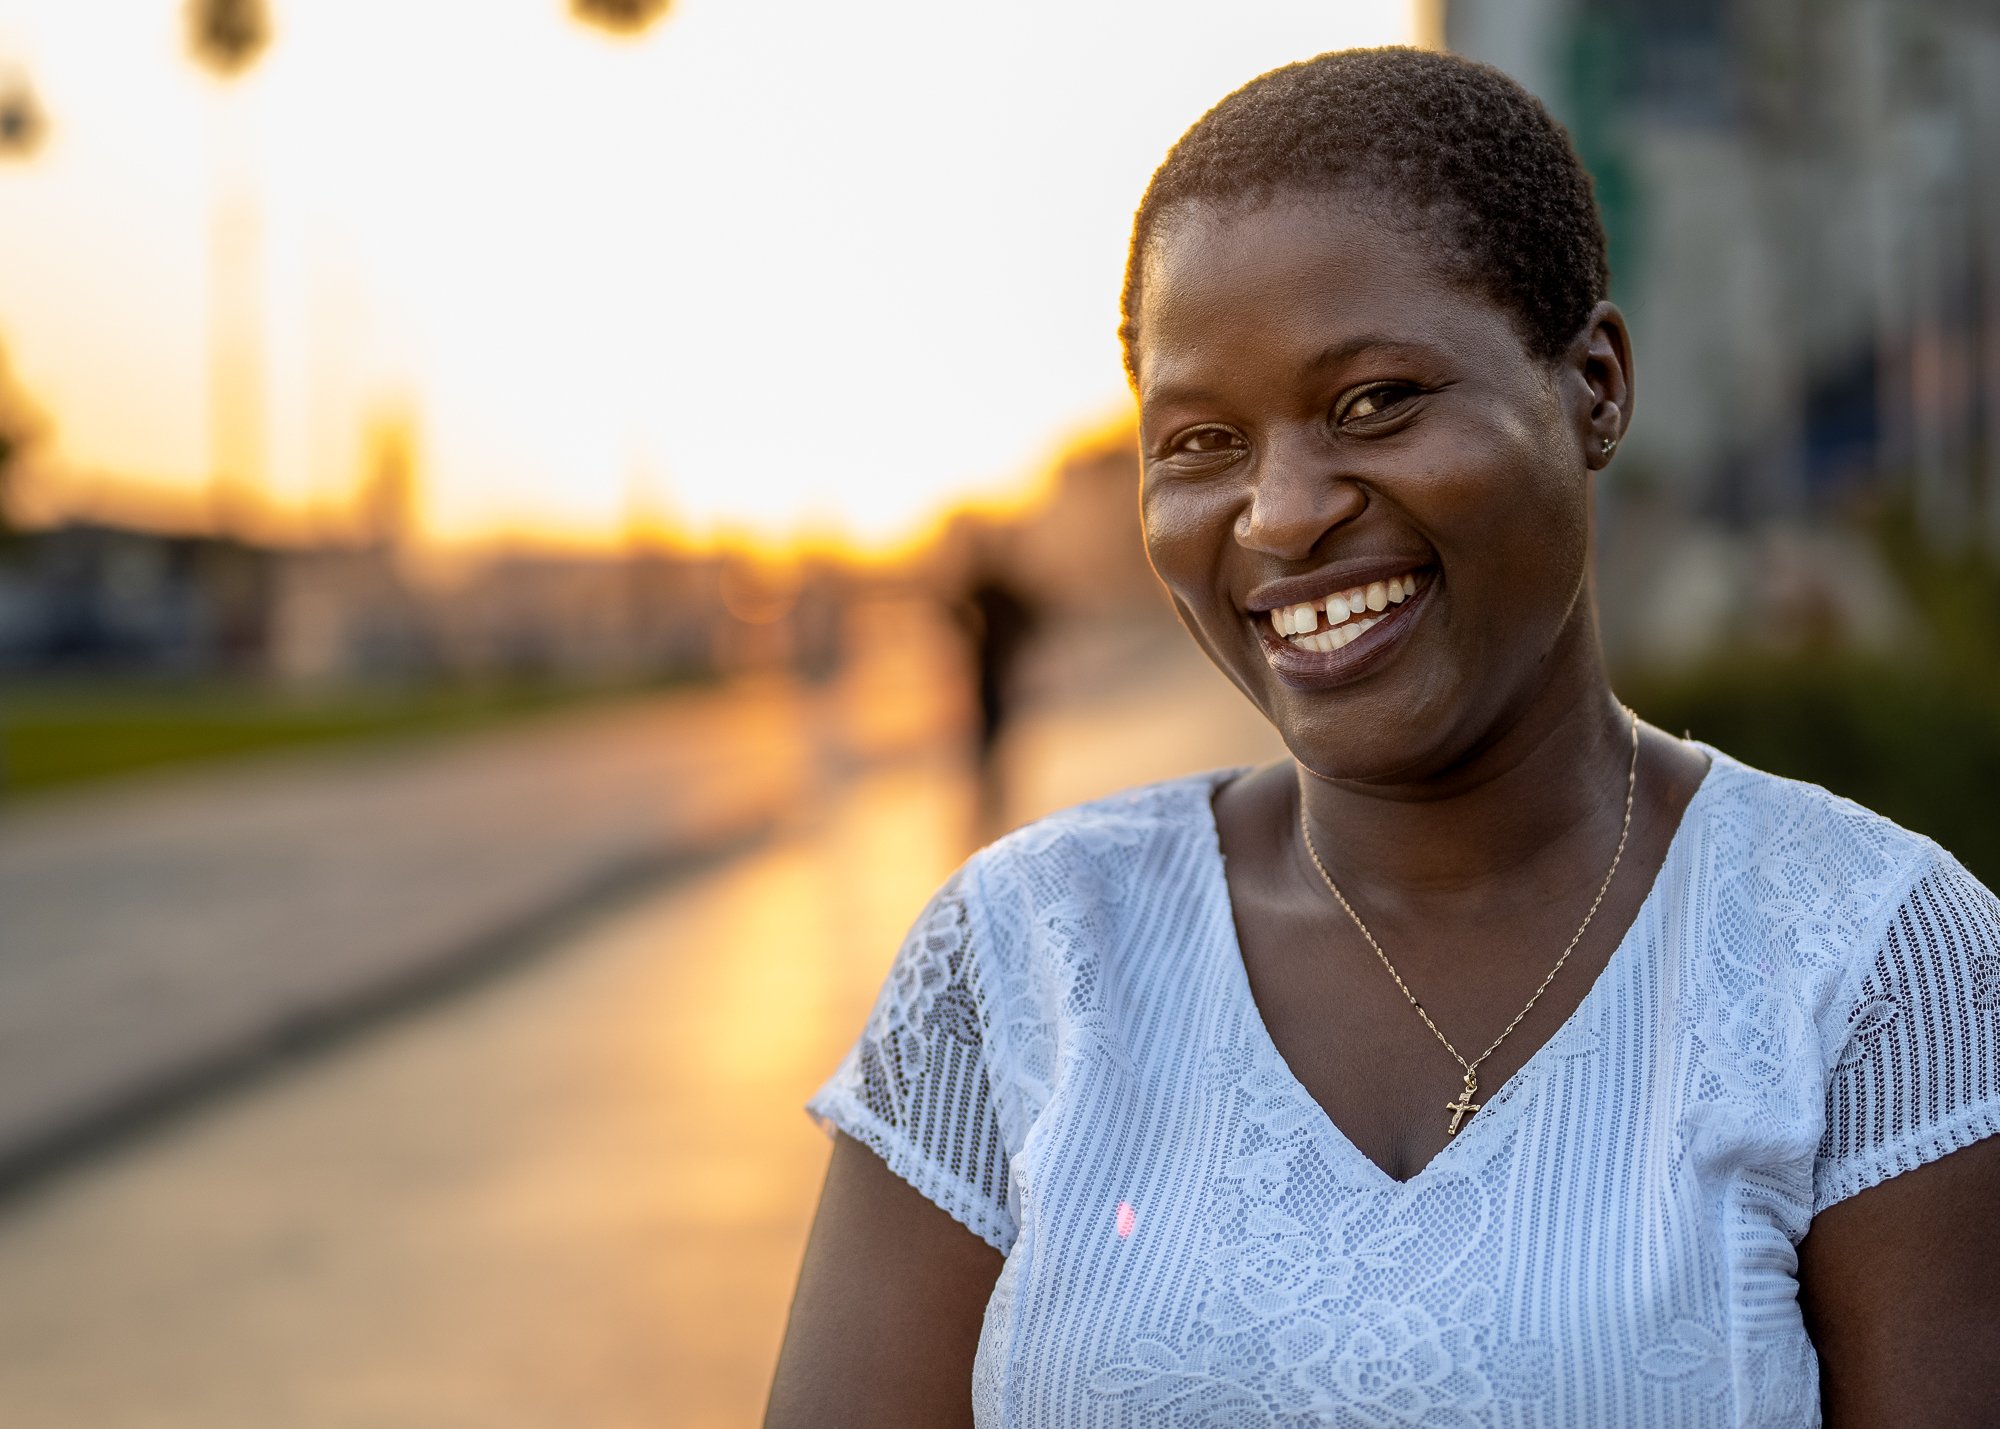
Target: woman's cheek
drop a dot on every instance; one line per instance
(1170, 536)
(1187, 520)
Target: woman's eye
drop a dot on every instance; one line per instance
(1374, 401)
(1207, 441)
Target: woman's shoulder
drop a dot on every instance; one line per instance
(1830, 898)
(1763, 827)
(1885, 942)
(1058, 893)
(1109, 831)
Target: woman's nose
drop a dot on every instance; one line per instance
(1293, 504)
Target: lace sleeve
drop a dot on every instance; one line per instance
(916, 1088)
(1918, 1072)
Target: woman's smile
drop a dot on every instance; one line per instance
(1325, 641)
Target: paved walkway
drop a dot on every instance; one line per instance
(575, 1195)
(159, 936)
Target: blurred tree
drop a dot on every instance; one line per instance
(20, 426)
(627, 17)
(228, 35)
(21, 121)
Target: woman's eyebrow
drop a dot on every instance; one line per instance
(1166, 383)
(1172, 394)
(1367, 344)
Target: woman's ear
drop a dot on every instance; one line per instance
(1599, 369)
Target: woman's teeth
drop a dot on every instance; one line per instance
(1328, 624)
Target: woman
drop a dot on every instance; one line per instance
(1495, 1060)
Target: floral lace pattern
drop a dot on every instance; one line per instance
(1067, 1058)
(1308, 1317)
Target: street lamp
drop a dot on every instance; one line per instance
(228, 35)
(624, 16)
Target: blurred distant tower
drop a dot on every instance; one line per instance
(236, 369)
(228, 36)
(387, 505)
(628, 17)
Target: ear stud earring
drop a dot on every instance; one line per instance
(1608, 445)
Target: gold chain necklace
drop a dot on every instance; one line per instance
(1465, 1106)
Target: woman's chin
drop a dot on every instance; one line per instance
(1373, 732)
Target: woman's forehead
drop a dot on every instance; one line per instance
(1299, 280)
(1305, 243)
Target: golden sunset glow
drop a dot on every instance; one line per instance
(773, 266)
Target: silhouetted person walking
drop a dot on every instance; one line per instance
(1000, 623)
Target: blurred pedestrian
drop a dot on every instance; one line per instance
(1497, 1059)
(999, 622)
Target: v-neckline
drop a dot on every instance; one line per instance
(1508, 1095)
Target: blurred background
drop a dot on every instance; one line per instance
(533, 533)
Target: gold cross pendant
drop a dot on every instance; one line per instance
(1465, 1106)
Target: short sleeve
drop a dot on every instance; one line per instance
(916, 1088)
(1917, 1074)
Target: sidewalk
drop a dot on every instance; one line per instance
(159, 936)
(168, 934)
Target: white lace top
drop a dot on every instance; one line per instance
(1066, 1057)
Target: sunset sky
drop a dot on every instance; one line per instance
(777, 265)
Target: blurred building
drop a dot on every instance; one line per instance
(580, 618)
(1803, 202)
(344, 614)
(92, 598)
(89, 597)
(1803, 198)
(1084, 548)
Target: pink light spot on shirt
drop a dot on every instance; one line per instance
(1127, 1218)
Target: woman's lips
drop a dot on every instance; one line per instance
(1319, 669)
(1329, 621)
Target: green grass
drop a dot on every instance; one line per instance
(55, 734)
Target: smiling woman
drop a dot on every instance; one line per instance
(1495, 1059)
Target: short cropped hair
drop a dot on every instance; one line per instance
(1463, 151)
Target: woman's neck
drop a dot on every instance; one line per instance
(1547, 784)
